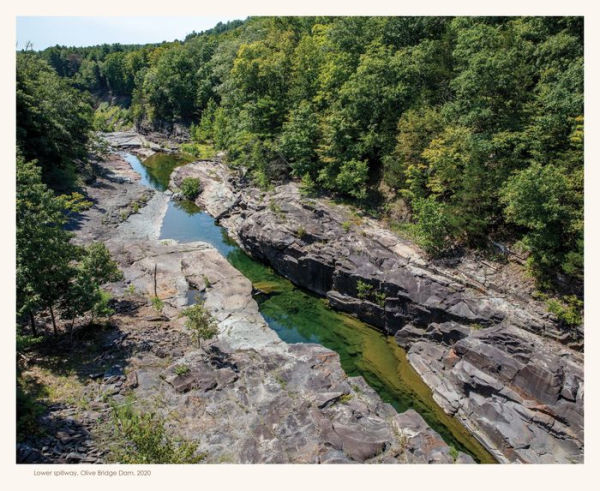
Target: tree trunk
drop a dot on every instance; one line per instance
(71, 328)
(32, 321)
(155, 294)
(53, 320)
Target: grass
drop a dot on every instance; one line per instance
(300, 232)
(157, 303)
(346, 398)
(281, 381)
(346, 226)
(406, 230)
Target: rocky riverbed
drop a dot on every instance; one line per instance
(490, 352)
(246, 397)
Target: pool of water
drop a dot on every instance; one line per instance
(156, 170)
(300, 317)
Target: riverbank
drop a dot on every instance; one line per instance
(247, 397)
(490, 352)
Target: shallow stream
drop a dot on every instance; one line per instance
(300, 317)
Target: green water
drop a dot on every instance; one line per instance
(300, 317)
(156, 170)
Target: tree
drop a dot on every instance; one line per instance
(432, 224)
(53, 120)
(541, 200)
(51, 270)
(44, 250)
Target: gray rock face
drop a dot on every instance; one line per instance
(491, 353)
(246, 397)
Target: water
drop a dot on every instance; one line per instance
(300, 317)
(156, 170)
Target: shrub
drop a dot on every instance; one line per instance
(157, 303)
(453, 453)
(182, 369)
(200, 322)
(346, 226)
(379, 298)
(147, 442)
(352, 178)
(190, 187)
(568, 310)
(363, 289)
(432, 225)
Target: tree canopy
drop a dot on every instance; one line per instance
(458, 119)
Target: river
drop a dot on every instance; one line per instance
(300, 317)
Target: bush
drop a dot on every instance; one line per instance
(157, 303)
(568, 311)
(352, 179)
(363, 289)
(190, 187)
(200, 323)
(202, 151)
(432, 225)
(182, 369)
(147, 442)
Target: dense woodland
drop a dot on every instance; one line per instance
(460, 132)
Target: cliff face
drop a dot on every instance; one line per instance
(491, 353)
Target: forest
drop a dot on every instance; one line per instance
(461, 133)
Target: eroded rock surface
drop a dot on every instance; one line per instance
(246, 397)
(490, 352)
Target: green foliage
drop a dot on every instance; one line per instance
(432, 225)
(157, 303)
(111, 118)
(53, 120)
(541, 199)
(51, 270)
(352, 178)
(457, 116)
(190, 187)
(568, 310)
(182, 369)
(142, 439)
(453, 452)
(200, 322)
(28, 412)
(202, 151)
(346, 226)
(364, 289)
(379, 298)
(300, 232)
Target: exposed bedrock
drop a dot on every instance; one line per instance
(246, 397)
(491, 353)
